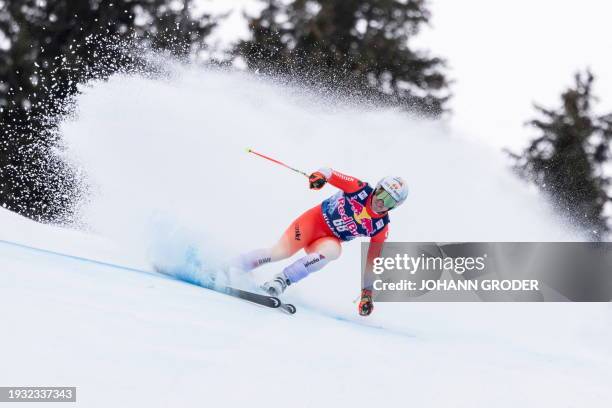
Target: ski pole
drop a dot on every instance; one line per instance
(277, 162)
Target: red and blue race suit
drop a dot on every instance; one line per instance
(319, 231)
(347, 214)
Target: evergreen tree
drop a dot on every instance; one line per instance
(47, 47)
(567, 160)
(362, 45)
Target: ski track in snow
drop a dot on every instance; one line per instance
(181, 187)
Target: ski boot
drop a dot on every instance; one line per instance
(277, 285)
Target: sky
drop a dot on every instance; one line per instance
(502, 57)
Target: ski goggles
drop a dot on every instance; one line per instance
(388, 201)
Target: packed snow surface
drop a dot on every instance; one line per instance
(170, 179)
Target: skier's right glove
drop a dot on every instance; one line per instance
(317, 180)
(366, 305)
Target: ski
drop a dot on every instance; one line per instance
(288, 307)
(257, 298)
(264, 300)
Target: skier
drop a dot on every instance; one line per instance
(358, 210)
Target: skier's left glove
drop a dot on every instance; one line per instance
(317, 180)
(366, 305)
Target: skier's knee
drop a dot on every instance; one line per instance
(329, 247)
(333, 251)
(282, 250)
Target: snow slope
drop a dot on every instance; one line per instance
(128, 339)
(167, 162)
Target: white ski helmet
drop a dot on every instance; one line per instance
(396, 187)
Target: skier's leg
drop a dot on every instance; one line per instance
(328, 246)
(299, 233)
(319, 254)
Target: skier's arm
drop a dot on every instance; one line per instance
(345, 183)
(366, 304)
(374, 250)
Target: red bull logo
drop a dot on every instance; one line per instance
(347, 221)
(361, 215)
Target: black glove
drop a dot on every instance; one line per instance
(317, 180)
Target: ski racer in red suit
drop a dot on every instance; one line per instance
(357, 210)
